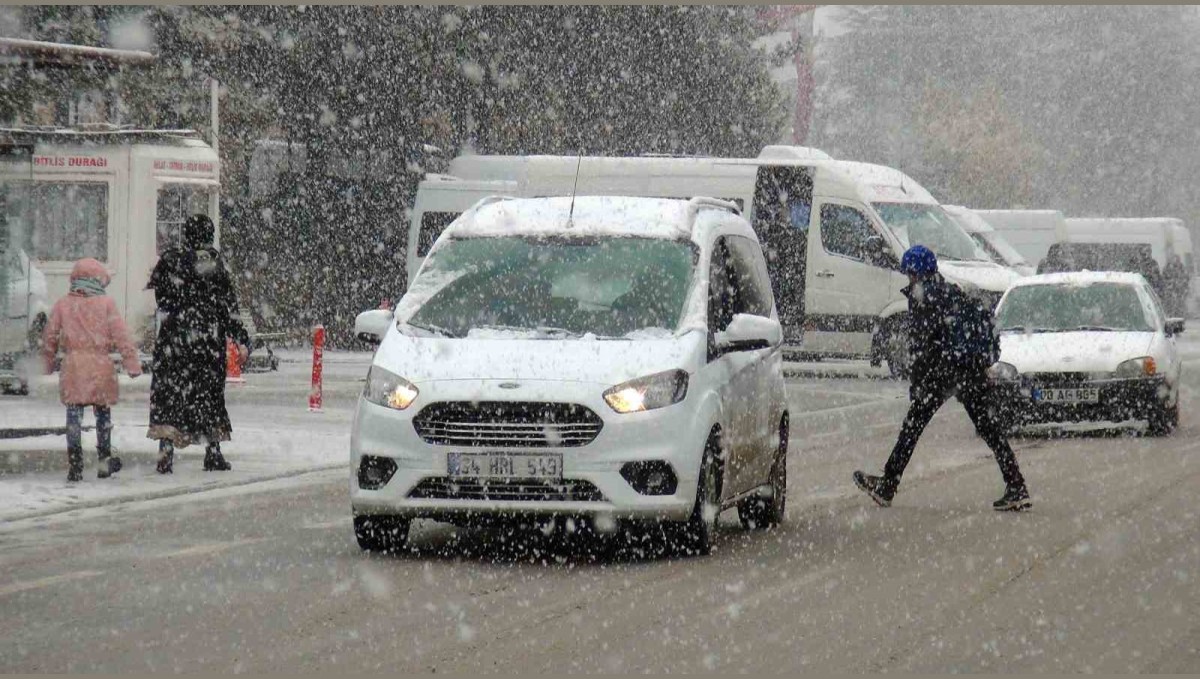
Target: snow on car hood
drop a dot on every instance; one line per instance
(983, 275)
(1072, 351)
(599, 361)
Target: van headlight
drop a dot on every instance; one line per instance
(647, 393)
(1003, 372)
(1137, 367)
(389, 389)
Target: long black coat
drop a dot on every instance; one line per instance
(187, 395)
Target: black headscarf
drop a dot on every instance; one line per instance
(198, 232)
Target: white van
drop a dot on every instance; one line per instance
(611, 358)
(833, 231)
(1030, 232)
(1154, 231)
(990, 240)
(120, 196)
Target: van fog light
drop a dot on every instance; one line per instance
(374, 472)
(652, 477)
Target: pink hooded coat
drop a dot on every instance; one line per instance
(87, 329)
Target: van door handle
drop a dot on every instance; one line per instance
(825, 274)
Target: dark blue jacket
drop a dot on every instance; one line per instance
(951, 334)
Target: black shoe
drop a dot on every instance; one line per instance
(108, 467)
(166, 464)
(214, 461)
(876, 488)
(1014, 500)
(75, 474)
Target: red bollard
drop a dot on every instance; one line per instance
(314, 396)
(233, 363)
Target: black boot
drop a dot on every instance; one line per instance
(166, 458)
(876, 487)
(1014, 500)
(109, 465)
(214, 461)
(74, 465)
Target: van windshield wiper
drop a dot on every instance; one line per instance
(1021, 328)
(429, 327)
(542, 329)
(1100, 328)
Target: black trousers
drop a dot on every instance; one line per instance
(973, 392)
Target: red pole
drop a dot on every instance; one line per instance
(314, 396)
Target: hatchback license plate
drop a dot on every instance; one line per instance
(504, 465)
(1056, 395)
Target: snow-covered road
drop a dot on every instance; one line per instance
(1101, 576)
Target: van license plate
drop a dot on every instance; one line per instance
(505, 465)
(1056, 395)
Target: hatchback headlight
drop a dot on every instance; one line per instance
(1003, 372)
(647, 393)
(389, 389)
(1137, 367)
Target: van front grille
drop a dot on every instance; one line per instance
(500, 424)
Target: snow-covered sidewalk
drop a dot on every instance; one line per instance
(274, 436)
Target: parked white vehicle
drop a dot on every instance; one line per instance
(833, 231)
(1029, 232)
(615, 360)
(1153, 231)
(23, 316)
(1087, 346)
(990, 240)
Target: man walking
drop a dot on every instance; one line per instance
(952, 345)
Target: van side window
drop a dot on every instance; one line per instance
(432, 226)
(751, 285)
(844, 230)
(721, 293)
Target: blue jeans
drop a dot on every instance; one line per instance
(103, 430)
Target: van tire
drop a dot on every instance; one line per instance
(384, 534)
(895, 347)
(757, 511)
(696, 535)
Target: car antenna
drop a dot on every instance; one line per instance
(571, 211)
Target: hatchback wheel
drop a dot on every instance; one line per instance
(1164, 421)
(387, 534)
(763, 512)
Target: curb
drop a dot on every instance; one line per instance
(171, 492)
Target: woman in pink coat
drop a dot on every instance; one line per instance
(86, 326)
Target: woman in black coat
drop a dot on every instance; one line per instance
(193, 288)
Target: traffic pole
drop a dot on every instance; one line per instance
(233, 363)
(314, 396)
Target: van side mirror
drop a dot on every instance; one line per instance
(1174, 326)
(876, 252)
(371, 326)
(748, 332)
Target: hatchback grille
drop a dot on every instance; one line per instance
(442, 488)
(501, 424)
(1064, 377)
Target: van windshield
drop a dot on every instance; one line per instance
(996, 243)
(931, 226)
(552, 288)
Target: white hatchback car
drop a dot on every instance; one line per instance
(1087, 346)
(615, 359)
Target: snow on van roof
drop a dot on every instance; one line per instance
(593, 216)
(880, 183)
(1081, 278)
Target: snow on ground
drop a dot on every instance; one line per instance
(274, 436)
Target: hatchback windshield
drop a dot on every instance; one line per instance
(1060, 308)
(929, 225)
(552, 287)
